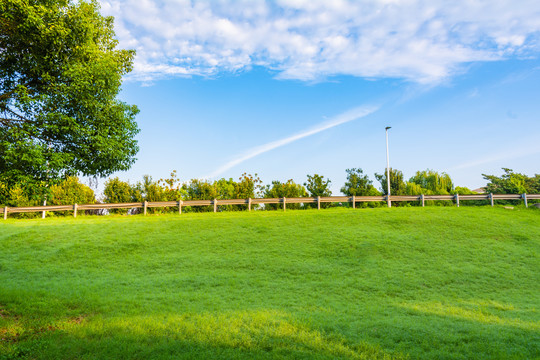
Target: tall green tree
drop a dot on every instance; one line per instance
(433, 183)
(60, 75)
(358, 184)
(397, 185)
(512, 183)
(318, 186)
(288, 189)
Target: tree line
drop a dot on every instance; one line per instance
(427, 182)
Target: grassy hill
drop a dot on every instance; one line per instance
(430, 283)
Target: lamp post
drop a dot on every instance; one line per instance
(388, 168)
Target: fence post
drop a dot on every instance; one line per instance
(318, 203)
(284, 204)
(145, 205)
(423, 202)
(179, 206)
(491, 198)
(215, 205)
(354, 202)
(75, 210)
(249, 204)
(5, 212)
(524, 196)
(457, 199)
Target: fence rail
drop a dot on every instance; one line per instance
(255, 201)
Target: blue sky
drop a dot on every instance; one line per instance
(286, 89)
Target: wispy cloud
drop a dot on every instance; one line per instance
(501, 156)
(343, 118)
(421, 41)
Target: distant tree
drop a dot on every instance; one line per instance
(118, 191)
(172, 187)
(287, 189)
(433, 183)
(316, 185)
(225, 188)
(197, 189)
(358, 184)
(397, 185)
(512, 183)
(461, 190)
(71, 191)
(533, 186)
(60, 74)
(248, 186)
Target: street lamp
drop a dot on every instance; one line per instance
(388, 168)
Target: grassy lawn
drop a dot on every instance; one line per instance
(418, 283)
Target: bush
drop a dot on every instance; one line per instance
(317, 186)
(433, 183)
(512, 183)
(172, 188)
(358, 184)
(71, 191)
(118, 191)
(199, 190)
(287, 189)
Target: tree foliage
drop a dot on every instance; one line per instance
(512, 183)
(117, 191)
(358, 184)
(60, 74)
(288, 189)
(433, 183)
(71, 191)
(397, 185)
(316, 185)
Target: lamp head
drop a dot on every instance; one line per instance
(388, 127)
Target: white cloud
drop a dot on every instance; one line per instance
(501, 156)
(343, 118)
(418, 40)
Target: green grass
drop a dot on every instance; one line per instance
(418, 283)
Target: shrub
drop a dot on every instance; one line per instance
(433, 183)
(397, 185)
(358, 184)
(172, 188)
(199, 190)
(287, 189)
(71, 191)
(317, 186)
(118, 191)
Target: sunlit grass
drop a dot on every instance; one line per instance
(432, 283)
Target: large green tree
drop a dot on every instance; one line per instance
(358, 184)
(512, 183)
(60, 74)
(397, 185)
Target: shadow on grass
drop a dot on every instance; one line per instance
(232, 335)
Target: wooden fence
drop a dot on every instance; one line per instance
(284, 201)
